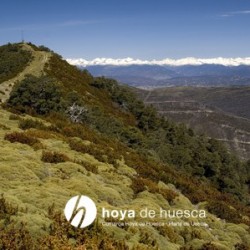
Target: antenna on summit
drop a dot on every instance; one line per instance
(22, 36)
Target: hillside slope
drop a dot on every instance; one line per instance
(220, 113)
(74, 134)
(33, 185)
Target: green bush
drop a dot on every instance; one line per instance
(44, 48)
(38, 95)
(13, 61)
(14, 117)
(223, 211)
(30, 123)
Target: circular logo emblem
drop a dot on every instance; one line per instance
(80, 211)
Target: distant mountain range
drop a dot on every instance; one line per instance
(165, 62)
(168, 72)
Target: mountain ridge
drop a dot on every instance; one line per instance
(164, 62)
(156, 76)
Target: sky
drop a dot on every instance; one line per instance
(143, 29)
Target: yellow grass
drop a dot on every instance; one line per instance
(33, 186)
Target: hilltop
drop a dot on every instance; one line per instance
(64, 132)
(17, 63)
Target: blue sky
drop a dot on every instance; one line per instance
(144, 29)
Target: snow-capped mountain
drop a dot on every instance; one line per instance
(165, 62)
(169, 72)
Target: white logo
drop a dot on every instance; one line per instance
(80, 211)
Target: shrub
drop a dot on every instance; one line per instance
(17, 237)
(62, 234)
(44, 48)
(54, 157)
(169, 232)
(6, 209)
(147, 239)
(241, 246)
(4, 127)
(209, 246)
(141, 184)
(30, 123)
(223, 211)
(43, 134)
(168, 194)
(102, 154)
(88, 166)
(14, 117)
(21, 138)
(13, 60)
(36, 94)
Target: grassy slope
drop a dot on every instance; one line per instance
(34, 185)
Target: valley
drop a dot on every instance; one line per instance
(212, 99)
(221, 113)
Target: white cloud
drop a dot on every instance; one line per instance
(234, 13)
(242, 12)
(226, 15)
(170, 62)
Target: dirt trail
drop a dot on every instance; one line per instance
(35, 68)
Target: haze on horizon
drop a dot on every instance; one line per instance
(141, 29)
